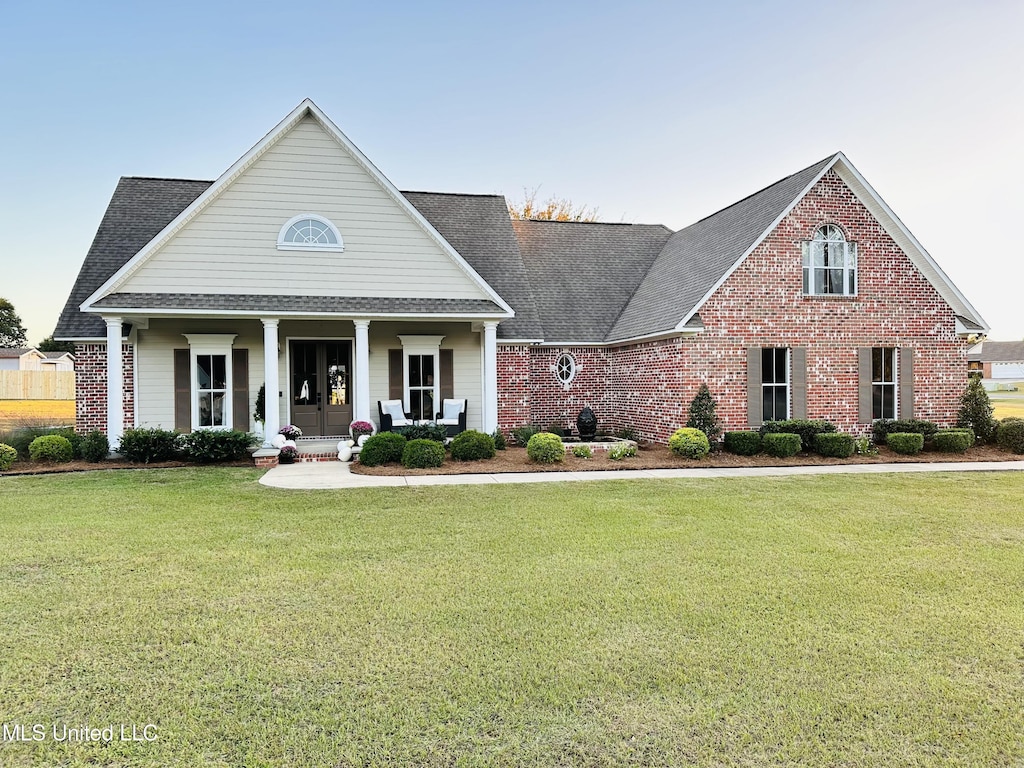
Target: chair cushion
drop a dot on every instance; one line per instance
(451, 410)
(448, 422)
(394, 409)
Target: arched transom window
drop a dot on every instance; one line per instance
(830, 263)
(309, 232)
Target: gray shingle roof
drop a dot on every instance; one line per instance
(289, 303)
(997, 352)
(583, 274)
(12, 352)
(695, 258)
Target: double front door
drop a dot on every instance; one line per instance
(321, 387)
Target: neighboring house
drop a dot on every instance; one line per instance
(21, 359)
(57, 361)
(302, 266)
(1001, 363)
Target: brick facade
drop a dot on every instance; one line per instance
(91, 386)
(648, 386)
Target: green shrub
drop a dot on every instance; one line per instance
(882, 428)
(864, 447)
(1010, 435)
(953, 440)
(906, 443)
(21, 438)
(808, 429)
(428, 431)
(976, 411)
(521, 435)
(382, 448)
(500, 444)
(207, 446)
(545, 448)
(837, 445)
(621, 451)
(95, 446)
(743, 442)
(781, 445)
(628, 433)
(472, 446)
(422, 453)
(7, 457)
(556, 429)
(582, 452)
(52, 448)
(690, 443)
(701, 414)
(144, 446)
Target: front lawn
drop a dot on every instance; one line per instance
(848, 620)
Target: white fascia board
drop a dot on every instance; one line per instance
(904, 238)
(758, 241)
(129, 315)
(519, 342)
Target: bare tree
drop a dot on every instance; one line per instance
(552, 209)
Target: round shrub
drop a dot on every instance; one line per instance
(906, 443)
(422, 453)
(582, 452)
(545, 448)
(1010, 435)
(781, 445)
(622, 451)
(837, 445)
(53, 448)
(690, 443)
(472, 446)
(953, 440)
(7, 457)
(382, 448)
(95, 446)
(146, 445)
(743, 442)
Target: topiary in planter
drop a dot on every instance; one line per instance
(836, 445)
(545, 448)
(7, 457)
(1010, 435)
(781, 445)
(472, 446)
(906, 443)
(743, 442)
(953, 440)
(422, 453)
(95, 446)
(690, 443)
(52, 448)
(382, 448)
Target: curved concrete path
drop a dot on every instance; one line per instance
(337, 474)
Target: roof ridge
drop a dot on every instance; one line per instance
(450, 194)
(601, 223)
(167, 178)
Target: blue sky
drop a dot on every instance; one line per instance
(652, 112)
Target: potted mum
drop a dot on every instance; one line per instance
(360, 428)
(288, 455)
(290, 432)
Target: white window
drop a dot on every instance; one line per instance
(309, 232)
(565, 369)
(830, 263)
(422, 375)
(883, 383)
(775, 384)
(211, 379)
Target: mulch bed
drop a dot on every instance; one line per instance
(660, 457)
(42, 468)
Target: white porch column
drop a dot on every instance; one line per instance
(490, 376)
(115, 382)
(362, 372)
(272, 384)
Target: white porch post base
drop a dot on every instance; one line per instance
(490, 411)
(272, 407)
(115, 382)
(362, 372)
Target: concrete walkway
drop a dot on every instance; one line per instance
(337, 474)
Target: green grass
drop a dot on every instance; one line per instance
(841, 621)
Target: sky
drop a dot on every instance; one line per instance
(652, 112)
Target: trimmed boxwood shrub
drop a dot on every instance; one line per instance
(207, 446)
(472, 446)
(690, 443)
(953, 440)
(382, 448)
(743, 442)
(421, 453)
(145, 446)
(7, 457)
(806, 428)
(95, 446)
(882, 428)
(52, 448)
(21, 438)
(545, 448)
(781, 445)
(436, 432)
(907, 443)
(1010, 435)
(834, 444)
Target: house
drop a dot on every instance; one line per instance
(21, 359)
(1000, 363)
(303, 268)
(57, 361)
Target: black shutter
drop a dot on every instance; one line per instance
(447, 362)
(182, 390)
(396, 373)
(240, 389)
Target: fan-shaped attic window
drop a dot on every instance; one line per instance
(309, 232)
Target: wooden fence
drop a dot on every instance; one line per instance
(37, 385)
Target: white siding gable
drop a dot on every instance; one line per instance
(230, 246)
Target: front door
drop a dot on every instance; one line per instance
(321, 387)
